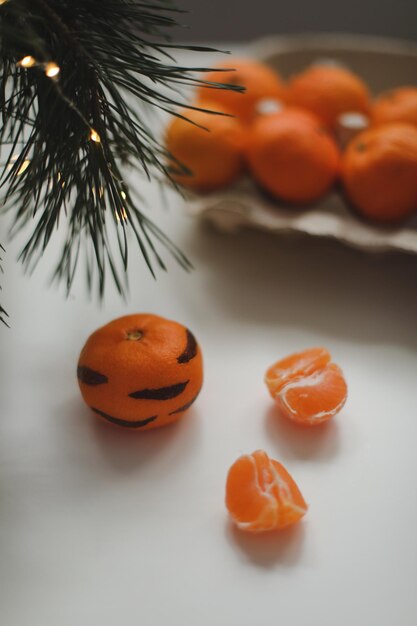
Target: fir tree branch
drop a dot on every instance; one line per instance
(68, 138)
(3, 313)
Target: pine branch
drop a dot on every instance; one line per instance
(72, 75)
(3, 313)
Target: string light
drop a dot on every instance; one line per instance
(94, 136)
(100, 192)
(23, 167)
(52, 69)
(27, 61)
(60, 180)
(121, 216)
(3, 2)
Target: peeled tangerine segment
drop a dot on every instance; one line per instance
(261, 495)
(307, 387)
(294, 366)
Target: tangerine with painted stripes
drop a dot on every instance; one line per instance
(308, 388)
(140, 371)
(261, 495)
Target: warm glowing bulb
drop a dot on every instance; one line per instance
(52, 69)
(27, 61)
(94, 136)
(122, 193)
(123, 215)
(3, 2)
(23, 167)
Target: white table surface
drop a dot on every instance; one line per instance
(102, 526)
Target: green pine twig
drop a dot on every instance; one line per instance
(3, 313)
(69, 137)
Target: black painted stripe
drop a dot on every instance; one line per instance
(190, 349)
(125, 423)
(162, 393)
(185, 406)
(90, 377)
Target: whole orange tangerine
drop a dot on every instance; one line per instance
(379, 172)
(140, 371)
(292, 156)
(260, 82)
(396, 105)
(328, 91)
(210, 146)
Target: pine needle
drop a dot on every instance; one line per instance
(69, 72)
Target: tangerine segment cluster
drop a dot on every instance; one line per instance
(307, 387)
(140, 371)
(261, 495)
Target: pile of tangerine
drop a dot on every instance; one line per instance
(301, 138)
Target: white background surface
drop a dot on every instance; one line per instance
(102, 526)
